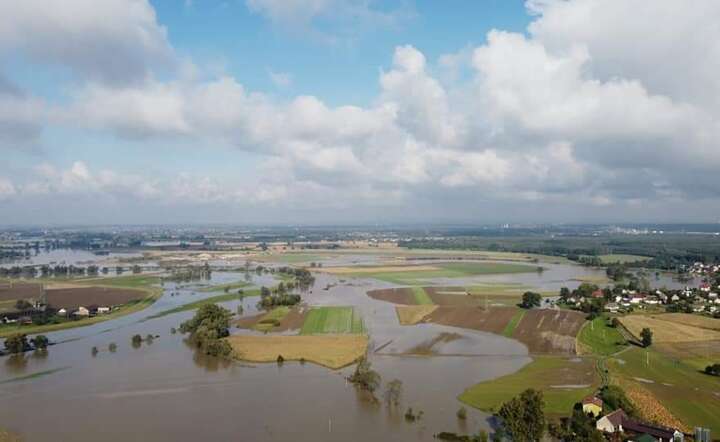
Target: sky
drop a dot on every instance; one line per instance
(359, 111)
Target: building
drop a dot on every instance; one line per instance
(612, 422)
(592, 405)
(81, 311)
(661, 434)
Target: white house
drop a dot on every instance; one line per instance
(103, 310)
(612, 422)
(81, 311)
(62, 312)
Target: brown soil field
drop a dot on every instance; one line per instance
(332, 351)
(693, 320)
(549, 331)
(248, 321)
(448, 298)
(292, 321)
(413, 314)
(493, 320)
(19, 290)
(402, 296)
(86, 296)
(667, 331)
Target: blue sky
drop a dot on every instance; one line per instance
(334, 111)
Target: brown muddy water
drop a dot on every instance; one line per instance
(165, 392)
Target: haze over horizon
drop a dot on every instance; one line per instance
(359, 111)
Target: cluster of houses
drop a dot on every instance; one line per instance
(618, 423)
(701, 269)
(26, 317)
(705, 299)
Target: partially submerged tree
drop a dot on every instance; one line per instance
(365, 377)
(40, 342)
(17, 343)
(210, 324)
(393, 393)
(523, 416)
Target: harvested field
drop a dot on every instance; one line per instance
(413, 314)
(285, 319)
(549, 331)
(493, 320)
(332, 351)
(435, 295)
(693, 320)
(699, 354)
(667, 331)
(649, 407)
(86, 296)
(563, 382)
(452, 296)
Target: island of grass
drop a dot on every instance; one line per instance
(563, 381)
(415, 274)
(211, 300)
(127, 294)
(227, 287)
(599, 338)
(329, 336)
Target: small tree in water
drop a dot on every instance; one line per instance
(40, 342)
(365, 377)
(393, 392)
(112, 347)
(136, 341)
(17, 343)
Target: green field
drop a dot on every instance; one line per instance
(600, 338)
(328, 320)
(222, 287)
(421, 297)
(513, 323)
(541, 374)
(211, 300)
(271, 318)
(693, 397)
(130, 281)
(621, 259)
(446, 270)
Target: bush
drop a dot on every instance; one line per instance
(112, 347)
(17, 343)
(462, 413)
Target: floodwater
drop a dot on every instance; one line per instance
(67, 257)
(164, 391)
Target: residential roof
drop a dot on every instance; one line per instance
(593, 400)
(646, 428)
(617, 417)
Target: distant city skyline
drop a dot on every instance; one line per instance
(356, 112)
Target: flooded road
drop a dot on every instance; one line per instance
(164, 391)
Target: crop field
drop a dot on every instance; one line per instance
(272, 318)
(596, 337)
(563, 381)
(513, 323)
(332, 320)
(621, 259)
(415, 274)
(549, 331)
(667, 330)
(693, 320)
(688, 394)
(332, 351)
(132, 281)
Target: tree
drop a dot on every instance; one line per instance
(713, 370)
(136, 341)
(614, 398)
(462, 413)
(210, 324)
(40, 342)
(393, 392)
(646, 337)
(94, 351)
(112, 347)
(579, 427)
(16, 343)
(523, 416)
(530, 300)
(365, 377)
(23, 305)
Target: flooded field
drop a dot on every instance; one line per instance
(165, 391)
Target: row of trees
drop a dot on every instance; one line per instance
(19, 343)
(61, 270)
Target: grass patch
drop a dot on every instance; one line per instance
(421, 297)
(332, 351)
(271, 319)
(560, 379)
(689, 395)
(34, 375)
(332, 320)
(223, 287)
(600, 339)
(414, 275)
(211, 300)
(513, 323)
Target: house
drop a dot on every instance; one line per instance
(661, 434)
(81, 311)
(612, 307)
(612, 422)
(597, 294)
(592, 405)
(103, 310)
(62, 312)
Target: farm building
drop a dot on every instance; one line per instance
(612, 422)
(592, 405)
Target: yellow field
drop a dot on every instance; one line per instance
(412, 314)
(666, 330)
(693, 320)
(332, 351)
(377, 269)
